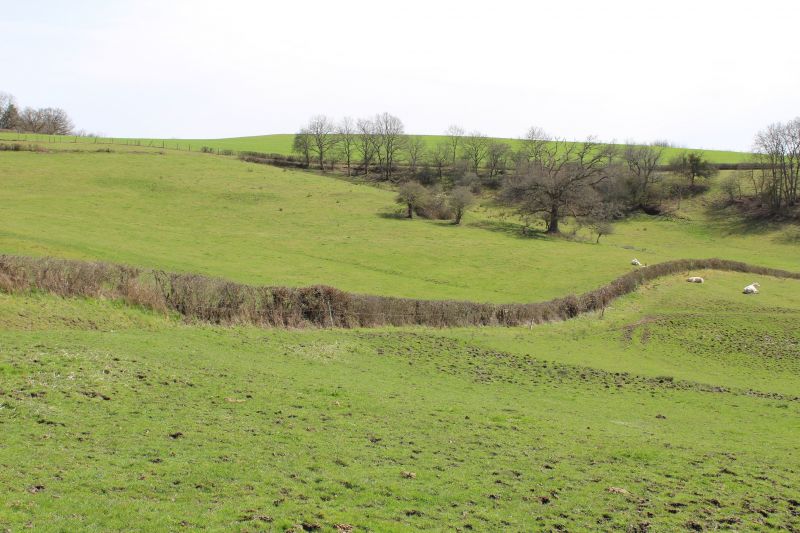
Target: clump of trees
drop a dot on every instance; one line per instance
(777, 182)
(539, 176)
(560, 180)
(434, 202)
(45, 120)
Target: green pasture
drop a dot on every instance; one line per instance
(259, 224)
(114, 418)
(282, 144)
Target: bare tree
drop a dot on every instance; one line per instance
(302, 145)
(476, 148)
(460, 199)
(413, 195)
(454, 134)
(366, 143)
(642, 163)
(778, 149)
(600, 218)
(389, 141)
(562, 183)
(533, 144)
(415, 149)
(497, 157)
(347, 133)
(323, 137)
(46, 120)
(31, 120)
(440, 157)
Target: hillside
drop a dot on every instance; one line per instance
(113, 417)
(282, 144)
(673, 409)
(259, 224)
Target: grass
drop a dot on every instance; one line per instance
(676, 409)
(281, 143)
(262, 225)
(115, 418)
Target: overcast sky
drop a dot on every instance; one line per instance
(705, 74)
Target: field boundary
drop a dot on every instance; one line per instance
(222, 301)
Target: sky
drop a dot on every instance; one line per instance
(702, 73)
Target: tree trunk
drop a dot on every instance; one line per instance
(410, 211)
(459, 214)
(552, 224)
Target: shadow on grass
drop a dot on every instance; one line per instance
(391, 215)
(512, 229)
(734, 220)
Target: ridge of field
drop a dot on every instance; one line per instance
(282, 144)
(641, 419)
(258, 224)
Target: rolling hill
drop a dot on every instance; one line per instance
(674, 409)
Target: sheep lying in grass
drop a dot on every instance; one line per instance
(751, 289)
(635, 262)
(695, 279)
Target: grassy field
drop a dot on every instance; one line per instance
(259, 224)
(114, 418)
(676, 409)
(282, 144)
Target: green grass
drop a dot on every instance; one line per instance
(282, 144)
(259, 224)
(115, 418)
(503, 429)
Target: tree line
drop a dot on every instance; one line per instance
(44, 120)
(777, 182)
(540, 176)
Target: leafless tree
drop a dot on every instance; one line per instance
(642, 164)
(46, 120)
(389, 141)
(366, 143)
(323, 137)
(497, 157)
(778, 149)
(347, 133)
(533, 144)
(562, 183)
(476, 148)
(415, 150)
(454, 134)
(440, 157)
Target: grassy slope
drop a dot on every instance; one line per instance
(318, 426)
(254, 223)
(282, 144)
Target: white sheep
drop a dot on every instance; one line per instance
(695, 279)
(635, 262)
(751, 289)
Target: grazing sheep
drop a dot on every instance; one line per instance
(695, 279)
(751, 289)
(635, 262)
